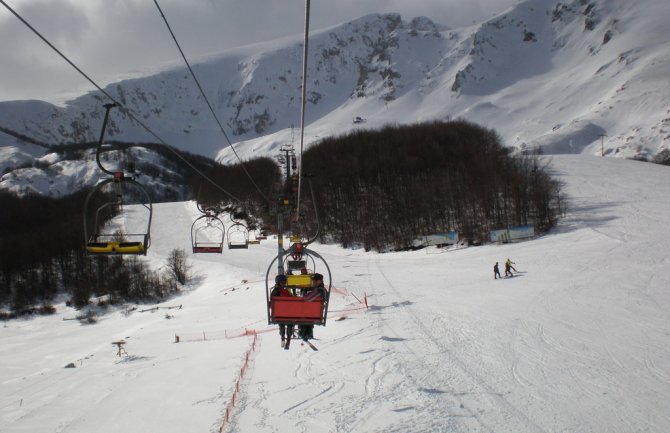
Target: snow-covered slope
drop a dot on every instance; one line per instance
(578, 340)
(34, 170)
(15, 153)
(565, 76)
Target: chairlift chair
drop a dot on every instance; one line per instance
(297, 310)
(103, 239)
(238, 236)
(255, 240)
(207, 234)
(263, 234)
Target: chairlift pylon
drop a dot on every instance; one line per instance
(296, 310)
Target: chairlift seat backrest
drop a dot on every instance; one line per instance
(296, 310)
(208, 249)
(237, 246)
(299, 280)
(130, 248)
(100, 247)
(115, 248)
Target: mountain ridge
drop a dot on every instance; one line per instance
(555, 77)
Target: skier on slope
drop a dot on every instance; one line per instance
(509, 267)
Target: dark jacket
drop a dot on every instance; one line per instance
(315, 293)
(280, 291)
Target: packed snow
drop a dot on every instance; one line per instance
(577, 341)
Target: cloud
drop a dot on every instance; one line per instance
(112, 39)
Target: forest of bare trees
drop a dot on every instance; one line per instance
(245, 190)
(42, 243)
(383, 189)
(42, 255)
(378, 189)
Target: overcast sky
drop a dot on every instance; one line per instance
(112, 39)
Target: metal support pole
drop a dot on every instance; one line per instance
(280, 242)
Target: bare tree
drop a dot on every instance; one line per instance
(177, 266)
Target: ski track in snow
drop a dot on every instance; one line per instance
(579, 342)
(482, 402)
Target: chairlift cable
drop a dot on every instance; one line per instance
(171, 149)
(298, 310)
(123, 109)
(302, 105)
(202, 92)
(46, 41)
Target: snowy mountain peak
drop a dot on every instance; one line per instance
(580, 76)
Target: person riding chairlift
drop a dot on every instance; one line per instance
(280, 289)
(317, 291)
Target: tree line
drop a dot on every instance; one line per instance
(379, 189)
(245, 190)
(382, 189)
(42, 245)
(42, 255)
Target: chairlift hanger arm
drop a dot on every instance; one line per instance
(108, 108)
(316, 213)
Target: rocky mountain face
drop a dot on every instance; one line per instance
(576, 76)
